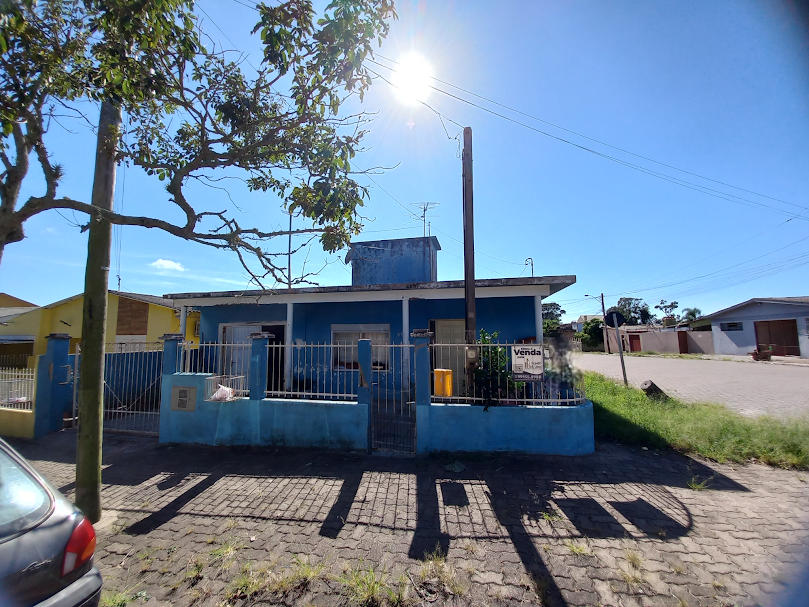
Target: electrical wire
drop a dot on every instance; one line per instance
(516, 111)
(226, 36)
(675, 180)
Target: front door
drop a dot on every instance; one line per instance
(780, 335)
(451, 332)
(634, 343)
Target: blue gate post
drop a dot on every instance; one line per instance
(258, 365)
(171, 353)
(421, 353)
(171, 362)
(366, 382)
(54, 394)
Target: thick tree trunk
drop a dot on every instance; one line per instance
(94, 323)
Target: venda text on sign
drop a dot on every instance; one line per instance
(527, 363)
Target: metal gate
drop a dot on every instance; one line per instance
(132, 386)
(393, 407)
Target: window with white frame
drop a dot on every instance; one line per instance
(731, 326)
(344, 339)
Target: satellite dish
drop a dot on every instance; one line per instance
(612, 317)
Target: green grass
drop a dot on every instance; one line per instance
(627, 415)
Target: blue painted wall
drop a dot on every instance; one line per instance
(513, 317)
(403, 260)
(294, 423)
(545, 430)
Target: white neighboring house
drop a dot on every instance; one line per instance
(579, 324)
(780, 323)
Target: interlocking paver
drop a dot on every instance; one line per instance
(620, 527)
(749, 388)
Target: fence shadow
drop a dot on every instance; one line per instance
(510, 496)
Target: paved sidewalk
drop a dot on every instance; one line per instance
(622, 527)
(750, 389)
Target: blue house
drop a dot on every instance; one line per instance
(335, 366)
(394, 291)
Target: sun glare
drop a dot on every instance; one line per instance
(412, 79)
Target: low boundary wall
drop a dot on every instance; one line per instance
(290, 422)
(541, 430)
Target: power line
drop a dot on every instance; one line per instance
(480, 252)
(680, 282)
(675, 180)
(226, 36)
(516, 111)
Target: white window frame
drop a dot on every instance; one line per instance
(379, 352)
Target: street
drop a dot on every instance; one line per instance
(747, 387)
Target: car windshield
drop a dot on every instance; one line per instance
(23, 500)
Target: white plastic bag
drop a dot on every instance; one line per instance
(223, 394)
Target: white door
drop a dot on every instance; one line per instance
(451, 332)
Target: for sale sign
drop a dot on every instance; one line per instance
(527, 363)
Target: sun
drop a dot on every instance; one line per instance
(412, 79)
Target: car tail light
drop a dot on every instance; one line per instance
(80, 547)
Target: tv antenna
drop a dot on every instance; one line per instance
(425, 207)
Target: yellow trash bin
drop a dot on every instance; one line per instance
(443, 382)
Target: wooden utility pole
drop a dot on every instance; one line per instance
(604, 314)
(94, 322)
(468, 239)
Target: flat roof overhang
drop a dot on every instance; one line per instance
(448, 289)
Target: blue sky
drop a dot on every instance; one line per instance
(718, 89)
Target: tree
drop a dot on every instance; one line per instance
(635, 310)
(144, 57)
(552, 311)
(691, 314)
(667, 308)
(550, 328)
(592, 334)
(295, 145)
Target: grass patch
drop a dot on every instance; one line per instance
(576, 548)
(365, 587)
(115, 599)
(627, 415)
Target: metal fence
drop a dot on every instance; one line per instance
(492, 383)
(17, 388)
(312, 371)
(226, 360)
(393, 407)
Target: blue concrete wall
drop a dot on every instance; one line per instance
(294, 423)
(403, 260)
(54, 394)
(544, 430)
(513, 317)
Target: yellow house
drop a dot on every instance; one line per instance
(131, 317)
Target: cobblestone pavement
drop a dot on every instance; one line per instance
(749, 388)
(187, 525)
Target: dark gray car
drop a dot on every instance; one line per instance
(46, 543)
